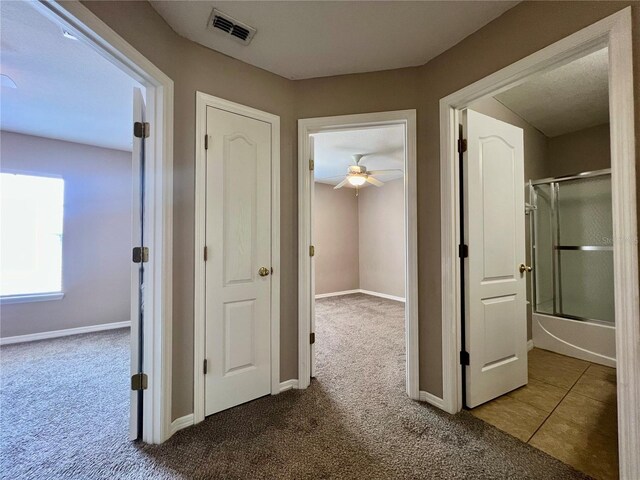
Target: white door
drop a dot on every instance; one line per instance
(238, 280)
(495, 293)
(137, 277)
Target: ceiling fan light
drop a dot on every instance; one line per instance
(357, 180)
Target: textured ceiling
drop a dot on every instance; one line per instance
(305, 39)
(384, 147)
(66, 90)
(566, 99)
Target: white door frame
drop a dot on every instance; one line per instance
(614, 32)
(88, 28)
(203, 101)
(309, 126)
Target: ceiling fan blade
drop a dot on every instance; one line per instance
(341, 184)
(374, 181)
(328, 178)
(381, 172)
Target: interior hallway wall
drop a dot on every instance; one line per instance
(336, 239)
(96, 266)
(507, 39)
(382, 248)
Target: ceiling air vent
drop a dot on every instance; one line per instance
(223, 23)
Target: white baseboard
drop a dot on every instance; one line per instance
(337, 294)
(382, 295)
(288, 385)
(359, 290)
(180, 423)
(432, 399)
(63, 333)
(529, 345)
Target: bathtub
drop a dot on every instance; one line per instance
(591, 341)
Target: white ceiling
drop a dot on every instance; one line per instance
(384, 147)
(66, 90)
(566, 99)
(307, 39)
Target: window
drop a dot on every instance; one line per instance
(31, 211)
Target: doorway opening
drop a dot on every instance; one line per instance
(359, 246)
(84, 195)
(357, 253)
(554, 127)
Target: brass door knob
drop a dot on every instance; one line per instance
(263, 272)
(525, 268)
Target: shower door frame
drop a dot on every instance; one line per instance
(556, 247)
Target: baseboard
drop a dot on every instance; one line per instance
(180, 423)
(359, 290)
(63, 333)
(382, 295)
(432, 399)
(337, 294)
(529, 345)
(288, 385)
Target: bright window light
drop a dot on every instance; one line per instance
(30, 234)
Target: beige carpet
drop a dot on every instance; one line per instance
(64, 406)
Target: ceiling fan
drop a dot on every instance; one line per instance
(358, 175)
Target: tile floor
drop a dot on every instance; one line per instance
(568, 410)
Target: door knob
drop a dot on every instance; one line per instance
(263, 272)
(525, 268)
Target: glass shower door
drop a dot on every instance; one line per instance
(584, 250)
(572, 240)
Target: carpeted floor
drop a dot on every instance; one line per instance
(64, 406)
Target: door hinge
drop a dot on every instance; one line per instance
(464, 358)
(140, 255)
(206, 254)
(139, 381)
(463, 251)
(311, 165)
(312, 250)
(462, 145)
(204, 366)
(312, 338)
(206, 142)
(141, 129)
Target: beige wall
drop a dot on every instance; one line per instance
(335, 230)
(359, 240)
(512, 36)
(381, 220)
(581, 151)
(96, 271)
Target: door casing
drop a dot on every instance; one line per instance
(613, 32)
(203, 101)
(307, 127)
